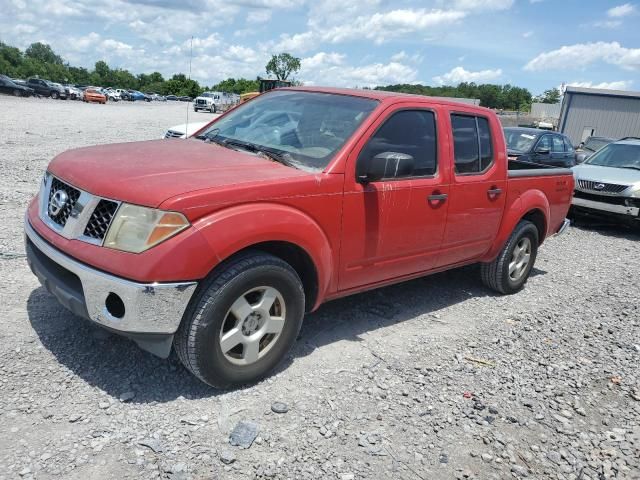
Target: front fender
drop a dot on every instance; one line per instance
(525, 203)
(233, 229)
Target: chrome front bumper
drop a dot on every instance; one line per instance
(606, 207)
(149, 308)
(563, 228)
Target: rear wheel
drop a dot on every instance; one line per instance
(242, 323)
(510, 270)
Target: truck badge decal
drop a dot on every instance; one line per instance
(57, 202)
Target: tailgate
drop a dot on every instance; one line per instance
(556, 184)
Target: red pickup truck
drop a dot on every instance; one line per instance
(217, 245)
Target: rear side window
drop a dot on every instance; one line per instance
(411, 132)
(471, 144)
(558, 144)
(567, 146)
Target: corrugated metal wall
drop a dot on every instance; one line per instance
(543, 111)
(614, 117)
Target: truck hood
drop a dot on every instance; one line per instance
(148, 173)
(620, 176)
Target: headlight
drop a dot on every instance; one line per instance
(136, 229)
(635, 191)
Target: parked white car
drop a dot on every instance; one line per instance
(112, 95)
(184, 130)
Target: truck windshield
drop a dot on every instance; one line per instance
(617, 155)
(305, 129)
(519, 140)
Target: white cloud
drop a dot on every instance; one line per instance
(297, 43)
(527, 34)
(332, 69)
(403, 56)
(482, 4)
(259, 16)
(381, 27)
(607, 24)
(459, 75)
(322, 59)
(619, 85)
(621, 10)
(584, 54)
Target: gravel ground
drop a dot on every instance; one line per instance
(434, 378)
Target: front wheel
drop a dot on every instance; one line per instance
(242, 322)
(213, 109)
(54, 95)
(509, 272)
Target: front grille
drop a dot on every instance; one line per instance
(101, 219)
(173, 134)
(201, 102)
(601, 187)
(72, 197)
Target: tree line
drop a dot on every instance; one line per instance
(40, 60)
(501, 97)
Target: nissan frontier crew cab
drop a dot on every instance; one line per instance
(218, 244)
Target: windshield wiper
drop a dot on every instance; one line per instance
(260, 150)
(633, 167)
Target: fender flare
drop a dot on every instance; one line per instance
(230, 230)
(529, 201)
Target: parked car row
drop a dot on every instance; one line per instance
(606, 171)
(44, 88)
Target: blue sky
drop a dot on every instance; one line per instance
(536, 44)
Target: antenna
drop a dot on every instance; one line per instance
(186, 125)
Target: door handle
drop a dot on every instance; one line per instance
(494, 192)
(437, 197)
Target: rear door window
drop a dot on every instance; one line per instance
(567, 146)
(557, 145)
(473, 152)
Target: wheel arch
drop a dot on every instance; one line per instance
(279, 230)
(296, 257)
(533, 206)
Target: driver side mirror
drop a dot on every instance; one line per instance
(386, 165)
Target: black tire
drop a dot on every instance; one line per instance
(213, 109)
(55, 95)
(197, 341)
(495, 275)
(17, 93)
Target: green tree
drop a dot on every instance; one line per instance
(283, 65)
(549, 96)
(43, 53)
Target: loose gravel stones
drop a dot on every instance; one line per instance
(381, 381)
(279, 407)
(244, 434)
